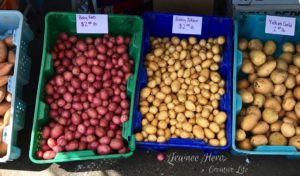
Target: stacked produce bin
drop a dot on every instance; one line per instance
(264, 135)
(15, 72)
(160, 25)
(55, 23)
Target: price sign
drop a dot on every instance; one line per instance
(91, 23)
(280, 25)
(187, 25)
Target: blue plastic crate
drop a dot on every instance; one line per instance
(160, 25)
(12, 23)
(249, 27)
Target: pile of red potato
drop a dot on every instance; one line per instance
(87, 96)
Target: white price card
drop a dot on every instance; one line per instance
(187, 25)
(280, 25)
(91, 24)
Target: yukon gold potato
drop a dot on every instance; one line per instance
(297, 92)
(296, 60)
(278, 76)
(260, 128)
(270, 91)
(269, 47)
(257, 57)
(276, 126)
(269, 115)
(272, 103)
(242, 84)
(255, 44)
(288, 47)
(240, 135)
(247, 97)
(266, 69)
(279, 89)
(295, 141)
(259, 100)
(277, 138)
(263, 86)
(254, 110)
(245, 144)
(249, 122)
(242, 44)
(281, 64)
(258, 140)
(288, 129)
(288, 104)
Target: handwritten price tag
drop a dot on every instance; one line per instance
(280, 25)
(91, 23)
(187, 25)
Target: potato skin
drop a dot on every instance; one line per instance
(269, 47)
(257, 57)
(3, 51)
(270, 115)
(249, 122)
(260, 128)
(263, 86)
(277, 138)
(295, 141)
(258, 140)
(266, 69)
(245, 144)
(278, 76)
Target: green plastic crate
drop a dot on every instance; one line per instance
(56, 22)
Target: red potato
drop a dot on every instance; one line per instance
(81, 128)
(87, 97)
(93, 145)
(43, 141)
(104, 140)
(94, 122)
(61, 141)
(46, 132)
(45, 147)
(63, 36)
(100, 132)
(56, 131)
(122, 150)
(82, 146)
(90, 130)
(116, 144)
(103, 149)
(49, 155)
(39, 154)
(69, 136)
(57, 148)
(90, 138)
(73, 145)
(111, 133)
(81, 46)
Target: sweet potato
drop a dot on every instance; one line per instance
(3, 80)
(11, 57)
(6, 119)
(5, 68)
(4, 107)
(2, 93)
(3, 51)
(9, 41)
(3, 149)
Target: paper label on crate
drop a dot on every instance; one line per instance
(280, 25)
(91, 24)
(187, 25)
